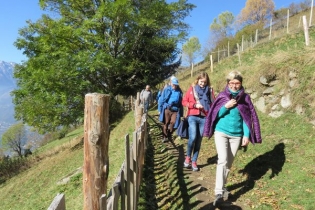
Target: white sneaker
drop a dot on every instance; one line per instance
(225, 193)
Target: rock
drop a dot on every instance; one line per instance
(292, 74)
(273, 83)
(286, 101)
(275, 114)
(292, 83)
(299, 109)
(268, 91)
(263, 80)
(260, 104)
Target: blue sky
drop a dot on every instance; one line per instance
(15, 13)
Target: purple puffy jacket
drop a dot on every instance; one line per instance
(246, 109)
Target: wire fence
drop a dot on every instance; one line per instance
(281, 27)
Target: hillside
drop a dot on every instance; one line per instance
(279, 174)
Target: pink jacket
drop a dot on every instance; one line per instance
(189, 101)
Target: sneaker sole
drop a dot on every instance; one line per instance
(186, 165)
(218, 202)
(226, 195)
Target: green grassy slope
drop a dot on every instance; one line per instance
(279, 173)
(37, 187)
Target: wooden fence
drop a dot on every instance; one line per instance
(125, 191)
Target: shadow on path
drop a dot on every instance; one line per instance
(258, 167)
(181, 188)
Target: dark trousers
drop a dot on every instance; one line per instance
(170, 119)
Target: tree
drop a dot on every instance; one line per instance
(306, 4)
(14, 137)
(221, 27)
(191, 49)
(256, 11)
(110, 47)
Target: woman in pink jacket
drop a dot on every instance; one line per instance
(197, 99)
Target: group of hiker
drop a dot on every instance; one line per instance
(230, 117)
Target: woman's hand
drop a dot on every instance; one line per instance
(231, 103)
(245, 141)
(198, 106)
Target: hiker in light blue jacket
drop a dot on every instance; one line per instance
(170, 106)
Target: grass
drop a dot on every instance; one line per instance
(278, 174)
(36, 187)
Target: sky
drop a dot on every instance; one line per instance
(15, 13)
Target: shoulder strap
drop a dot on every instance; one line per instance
(211, 94)
(195, 94)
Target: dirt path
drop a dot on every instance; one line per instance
(170, 186)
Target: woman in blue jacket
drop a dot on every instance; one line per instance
(171, 109)
(234, 122)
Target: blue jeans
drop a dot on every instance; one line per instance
(195, 131)
(146, 106)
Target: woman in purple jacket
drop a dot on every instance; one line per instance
(234, 122)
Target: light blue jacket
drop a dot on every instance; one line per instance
(164, 104)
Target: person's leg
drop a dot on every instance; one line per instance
(200, 122)
(221, 144)
(146, 106)
(172, 121)
(192, 124)
(234, 143)
(167, 117)
(191, 139)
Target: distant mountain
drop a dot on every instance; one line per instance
(6, 74)
(7, 84)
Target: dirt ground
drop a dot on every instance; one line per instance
(176, 187)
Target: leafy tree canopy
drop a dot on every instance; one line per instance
(191, 49)
(221, 29)
(256, 11)
(13, 138)
(111, 47)
(222, 26)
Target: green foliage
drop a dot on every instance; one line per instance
(191, 49)
(110, 47)
(14, 137)
(54, 161)
(222, 27)
(10, 167)
(256, 11)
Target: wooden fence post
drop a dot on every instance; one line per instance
(58, 203)
(131, 103)
(96, 139)
(127, 173)
(239, 55)
(311, 14)
(270, 28)
(138, 112)
(228, 48)
(288, 18)
(211, 63)
(306, 35)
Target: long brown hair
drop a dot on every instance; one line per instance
(203, 75)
